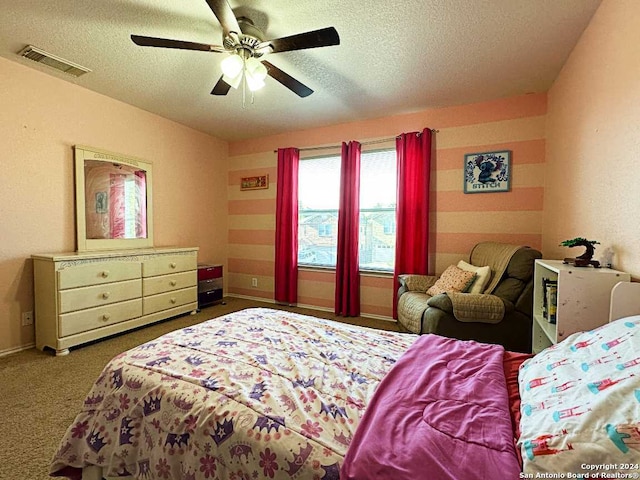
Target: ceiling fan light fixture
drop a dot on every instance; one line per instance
(232, 66)
(256, 69)
(255, 73)
(254, 83)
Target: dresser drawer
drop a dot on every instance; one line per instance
(168, 264)
(166, 283)
(207, 272)
(87, 297)
(163, 301)
(92, 318)
(97, 273)
(209, 297)
(207, 285)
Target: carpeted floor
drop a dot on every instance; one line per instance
(41, 393)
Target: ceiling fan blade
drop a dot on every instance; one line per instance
(221, 88)
(316, 38)
(287, 80)
(222, 10)
(167, 43)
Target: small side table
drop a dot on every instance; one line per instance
(209, 285)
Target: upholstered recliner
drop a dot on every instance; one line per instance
(500, 314)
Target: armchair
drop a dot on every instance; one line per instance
(501, 313)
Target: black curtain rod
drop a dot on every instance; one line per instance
(372, 142)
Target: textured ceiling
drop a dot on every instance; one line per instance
(393, 58)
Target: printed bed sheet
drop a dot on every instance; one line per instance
(259, 393)
(581, 405)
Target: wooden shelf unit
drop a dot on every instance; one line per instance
(583, 298)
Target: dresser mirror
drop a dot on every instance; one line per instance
(114, 207)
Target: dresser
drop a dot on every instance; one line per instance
(85, 296)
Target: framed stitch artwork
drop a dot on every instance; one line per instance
(254, 183)
(487, 172)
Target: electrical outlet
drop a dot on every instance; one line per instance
(27, 318)
(254, 282)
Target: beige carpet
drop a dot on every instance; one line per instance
(40, 393)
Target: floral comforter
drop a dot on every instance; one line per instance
(258, 393)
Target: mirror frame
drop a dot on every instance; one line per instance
(82, 153)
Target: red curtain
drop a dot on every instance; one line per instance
(347, 298)
(412, 212)
(286, 268)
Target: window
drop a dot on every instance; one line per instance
(318, 201)
(324, 229)
(131, 206)
(378, 210)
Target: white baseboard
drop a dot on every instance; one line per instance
(330, 310)
(9, 351)
(248, 297)
(379, 317)
(311, 307)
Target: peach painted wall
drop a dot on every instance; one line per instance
(41, 118)
(593, 140)
(458, 220)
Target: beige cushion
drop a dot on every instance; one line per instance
(411, 306)
(453, 279)
(482, 276)
(477, 308)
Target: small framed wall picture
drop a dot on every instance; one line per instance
(487, 172)
(254, 183)
(102, 202)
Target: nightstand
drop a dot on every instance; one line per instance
(209, 285)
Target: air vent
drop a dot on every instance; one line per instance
(40, 56)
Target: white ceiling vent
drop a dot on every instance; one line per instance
(40, 56)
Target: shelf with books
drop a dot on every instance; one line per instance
(582, 296)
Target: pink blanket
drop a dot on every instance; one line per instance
(442, 412)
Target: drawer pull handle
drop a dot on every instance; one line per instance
(105, 295)
(173, 265)
(173, 283)
(105, 273)
(106, 317)
(173, 300)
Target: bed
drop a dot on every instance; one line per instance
(265, 393)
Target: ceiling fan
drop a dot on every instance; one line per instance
(245, 45)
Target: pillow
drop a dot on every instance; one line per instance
(483, 274)
(453, 279)
(580, 399)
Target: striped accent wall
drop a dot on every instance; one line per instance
(252, 221)
(458, 220)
